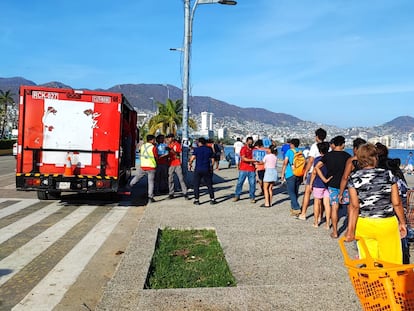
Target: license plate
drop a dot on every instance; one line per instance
(63, 185)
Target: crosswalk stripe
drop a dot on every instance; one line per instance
(22, 256)
(11, 209)
(9, 187)
(6, 203)
(51, 289)
(14, 228)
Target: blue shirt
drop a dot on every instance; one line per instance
(284, 149)
(290, 155)
(410, 160)
(203, 155)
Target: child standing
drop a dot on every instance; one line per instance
(320, 190)
(270, 175)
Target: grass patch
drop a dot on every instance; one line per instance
(188, 259)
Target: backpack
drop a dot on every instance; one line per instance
(299, 163)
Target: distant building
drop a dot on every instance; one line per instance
(385, 140)
(410, 142)
(206, 121)
(222, 133)
(206, 129)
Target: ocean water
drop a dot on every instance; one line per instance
(401, 154)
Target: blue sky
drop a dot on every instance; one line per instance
(340, 62)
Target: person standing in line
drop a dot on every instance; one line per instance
(161, 173)
(409, 163)
(320, 190)
(335, 162)
(320, 135)
(285, 147)
(204, 158)
(292, 182)
(148, 156)
(259, 152)
(217, 154)
(270, 174)
(351, 166)
(376, 212)
(238, 145)
(175, 167)
(246, 170)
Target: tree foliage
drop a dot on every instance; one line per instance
(6, 114)
(169, 118)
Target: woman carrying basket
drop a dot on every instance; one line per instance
(376, 212)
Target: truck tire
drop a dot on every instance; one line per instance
(48, 195)
(54, 195)
(42, 195)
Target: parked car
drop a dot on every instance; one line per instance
(15, 149)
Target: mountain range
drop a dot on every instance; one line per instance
(144, 96)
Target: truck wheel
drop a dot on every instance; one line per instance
(46, 195)
(42, 195)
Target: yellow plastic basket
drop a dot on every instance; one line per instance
(380, 285)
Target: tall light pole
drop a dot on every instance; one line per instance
(168, 91)
(188, 33)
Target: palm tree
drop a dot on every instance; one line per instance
(5, 99)
(169, 118)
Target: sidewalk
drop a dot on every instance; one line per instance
(279, 262)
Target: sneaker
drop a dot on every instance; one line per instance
(295, 212)
(213, 202)
(186, 197)
(151, 200)
(252, 200)
(235, 199)
(196, 202)
(171, 196)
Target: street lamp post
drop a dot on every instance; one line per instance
(188, 33)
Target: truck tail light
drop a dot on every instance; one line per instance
(33, 182)
(103, 184)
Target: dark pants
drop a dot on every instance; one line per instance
(292, 185)
(161, 178)
(208, 179)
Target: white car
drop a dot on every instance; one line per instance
(15, 149)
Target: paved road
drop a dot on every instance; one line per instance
(7, 165)
(58, 254)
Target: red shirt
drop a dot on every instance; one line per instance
(247, 153)
(175, 153)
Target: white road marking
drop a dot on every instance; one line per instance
(16, 206)
(24, 223)
(9, 187)
(50, 291)
(25, 254)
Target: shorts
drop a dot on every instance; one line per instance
(320, 193)
(270, 175)
(308, 177)
(334, 199)
(260, 174)
(237, 158)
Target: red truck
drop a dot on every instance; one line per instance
(74, 141)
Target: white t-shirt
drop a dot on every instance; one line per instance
(314, 153)
(237, 146)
